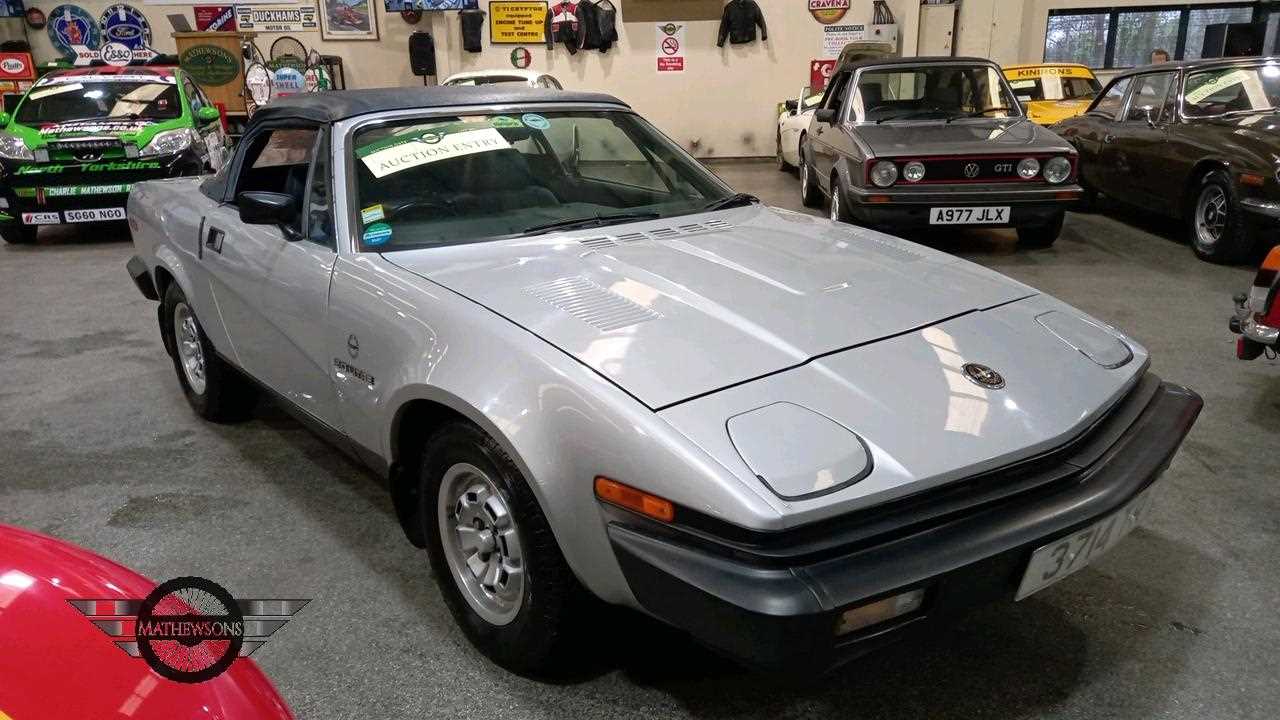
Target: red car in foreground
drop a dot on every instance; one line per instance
(55, 663)
(1257, 318)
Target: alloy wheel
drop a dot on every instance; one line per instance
(835, 202)
(186, 333)
(1212, 214)
(481, 543)
(804, 175)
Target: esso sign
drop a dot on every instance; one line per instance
(13, 66)
(118, 54)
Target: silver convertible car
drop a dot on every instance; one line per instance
(588, 369)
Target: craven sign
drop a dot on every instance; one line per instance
(828, 11)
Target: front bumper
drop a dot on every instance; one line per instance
(908, 207)
(41, 194)
(773, 601)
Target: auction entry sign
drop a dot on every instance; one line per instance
(277, 18)
(517, 23)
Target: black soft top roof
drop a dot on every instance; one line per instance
(922, 60)
(331, 106)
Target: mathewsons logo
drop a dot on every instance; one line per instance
(828, 11)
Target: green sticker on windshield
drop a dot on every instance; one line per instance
(371, 214)
(377, 234)
(535, 121)
(502, 121)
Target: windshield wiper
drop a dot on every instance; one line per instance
(977, 113)
(734, 200)
(593, 221)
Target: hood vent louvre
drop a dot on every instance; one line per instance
(604, 242)
(591, 303)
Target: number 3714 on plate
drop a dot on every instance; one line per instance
(1050, 563)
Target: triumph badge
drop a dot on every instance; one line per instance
(983, 376)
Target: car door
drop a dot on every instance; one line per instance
(278, 277)
(1097, 131)
(826, 139)
(1134, 155)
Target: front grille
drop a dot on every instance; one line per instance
(966, 170)
(85, 150)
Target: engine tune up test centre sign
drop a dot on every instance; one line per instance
(670, 48)
(517, 23)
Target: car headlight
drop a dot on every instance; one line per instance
(1057, 170)
(884, 174)
(913, 171)
(1028, 168)
(13, 148)
(168, 142)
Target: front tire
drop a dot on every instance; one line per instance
(20, 234)
(839, 213)
(493, 554)
(215, 390)
(1216, 224)
(779, 158)
(810, 193)
(1041, 236)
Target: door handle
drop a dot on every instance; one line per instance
(213, 240)
(1108, 139)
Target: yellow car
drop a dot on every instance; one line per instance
(1052, 91)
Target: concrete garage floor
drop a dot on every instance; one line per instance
(98, 446)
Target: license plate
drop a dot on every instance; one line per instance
(1060, 558)
(969, 216)
(93, 215)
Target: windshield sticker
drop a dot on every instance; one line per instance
(433, 147)
(64, 79)
(535, 121)
(371, 214)
(502, 121)
(377, 234)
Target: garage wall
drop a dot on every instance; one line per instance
(722, 106)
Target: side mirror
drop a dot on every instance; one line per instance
(4, 119)
(267, 208)
(208, 114)
(792, 106)
(825, 115)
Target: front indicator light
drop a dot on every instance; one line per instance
(625, 496)
(884, 174)
(1029, 168)
(1057, 170)
(914, 171)
(879, 611)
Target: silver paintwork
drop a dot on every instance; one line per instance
(768, 306)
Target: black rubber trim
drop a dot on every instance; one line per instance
(142, 278)
(772, 614)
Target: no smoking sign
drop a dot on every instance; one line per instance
(670, 47)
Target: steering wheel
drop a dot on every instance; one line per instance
(408, 207)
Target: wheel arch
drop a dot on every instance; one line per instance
(1198, 171)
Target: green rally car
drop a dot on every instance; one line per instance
(79, 139)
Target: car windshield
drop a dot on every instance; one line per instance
(905, 92)
(1232, 90)
(812, 101)
(489, 80)
(1054, 88)
(463, 179)
(94, 100)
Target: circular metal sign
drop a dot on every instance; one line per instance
(126, 25)
(70, 26)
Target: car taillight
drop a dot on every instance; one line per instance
(1262, 297)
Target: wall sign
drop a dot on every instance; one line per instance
(828, 11)
(277, 18)
(820, 72)
(835, 37)
(17, 66)
(70, 26)
(209, 65)
(215, 18)
(517, 23)
(35, 18)
(348, 20)
(521, 58)
(126, 25)
(671, 48)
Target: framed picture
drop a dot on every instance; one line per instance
(348, 20)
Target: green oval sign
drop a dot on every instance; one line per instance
(209, 65)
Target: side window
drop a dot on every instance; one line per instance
(839, 89)
(1150, 93)
(193, 96)
(1110, 103)
(319, 211)
(278, 160)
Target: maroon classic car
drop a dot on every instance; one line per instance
(1197, 140)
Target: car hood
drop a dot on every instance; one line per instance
(1255, 130)
(958, 138)
(673, 309)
